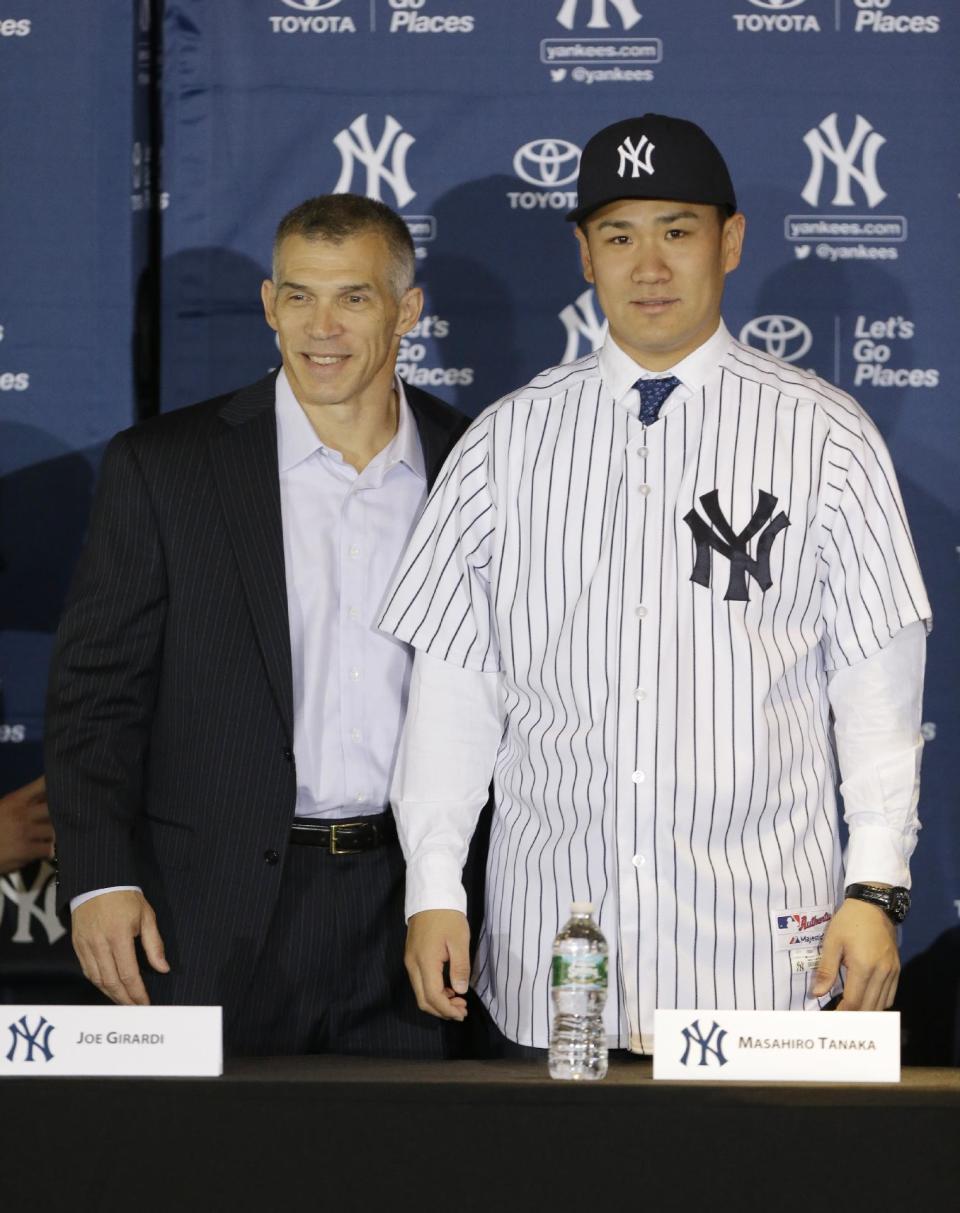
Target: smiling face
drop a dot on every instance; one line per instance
(337, 318)
(659, 269)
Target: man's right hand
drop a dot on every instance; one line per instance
(436, 938)
(104, 931)
(25, 830)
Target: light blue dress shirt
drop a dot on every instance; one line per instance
(343, 534)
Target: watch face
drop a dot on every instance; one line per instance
(899, 904)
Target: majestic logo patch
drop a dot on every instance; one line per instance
(729, 543)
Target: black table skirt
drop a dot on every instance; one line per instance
(296, 1134)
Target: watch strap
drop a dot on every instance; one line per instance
(894, 902)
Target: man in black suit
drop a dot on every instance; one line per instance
(223, 717)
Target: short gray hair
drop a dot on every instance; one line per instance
(337, 217)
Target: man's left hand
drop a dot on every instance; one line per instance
(863, 940)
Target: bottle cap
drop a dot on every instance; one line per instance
(581, 907)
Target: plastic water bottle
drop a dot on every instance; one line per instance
(578, 989)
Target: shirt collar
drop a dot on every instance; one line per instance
(297, 440)
(620, 372)
(405, 445)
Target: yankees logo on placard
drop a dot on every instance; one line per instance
(733, 545)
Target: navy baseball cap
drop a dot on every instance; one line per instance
(652, 156)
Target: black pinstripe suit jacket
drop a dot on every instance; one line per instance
(169, 740)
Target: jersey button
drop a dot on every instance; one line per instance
(288, 754)
(643, 490)
(643, 451)
(639, 694)
(271, 856)
(639, 861)
(638, 777)
(640, 612)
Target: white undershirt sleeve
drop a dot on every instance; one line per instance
(876, 705)
(117, 888)
(449, 744)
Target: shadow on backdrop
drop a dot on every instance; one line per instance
(869, 291)
(474, 284)
(44, 507)
(213, 336)
(929, 1004)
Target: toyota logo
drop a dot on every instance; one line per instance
(311, 6)
(776, 4)
(547, 162)
(779, 336)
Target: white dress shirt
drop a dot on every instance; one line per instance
(661, 745)
(343, 533)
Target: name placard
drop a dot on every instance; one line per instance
(160, 1042)
(777, 1046)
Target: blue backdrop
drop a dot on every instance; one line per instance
(837, 117)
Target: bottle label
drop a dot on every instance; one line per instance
(579, 971)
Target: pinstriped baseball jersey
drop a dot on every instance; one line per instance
(663, 603)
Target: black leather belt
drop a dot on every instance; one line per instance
(344, 837)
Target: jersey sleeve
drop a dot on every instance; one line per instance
(440, 598)
(872, 585)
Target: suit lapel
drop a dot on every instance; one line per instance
(243, 454)
(437, 433)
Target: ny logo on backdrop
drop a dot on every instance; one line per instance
(630, 155)
(35, 1041)
(780, 336)
(355, 146)
(708, 1046)
(733, 545)
(582, 322)
(598, 13)
(824, 143)
(29, 906)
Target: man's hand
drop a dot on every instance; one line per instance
(436, 938)
(104, 930)
(26, 833)
(863, 940)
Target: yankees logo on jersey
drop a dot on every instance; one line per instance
(666, 750)
(734, 546)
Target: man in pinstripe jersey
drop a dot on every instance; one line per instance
(223, 718)
(650, 591)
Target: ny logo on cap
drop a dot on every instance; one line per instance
(630, 154)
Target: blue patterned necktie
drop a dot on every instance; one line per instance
(653, 392)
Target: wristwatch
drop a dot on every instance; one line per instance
(894, 902)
